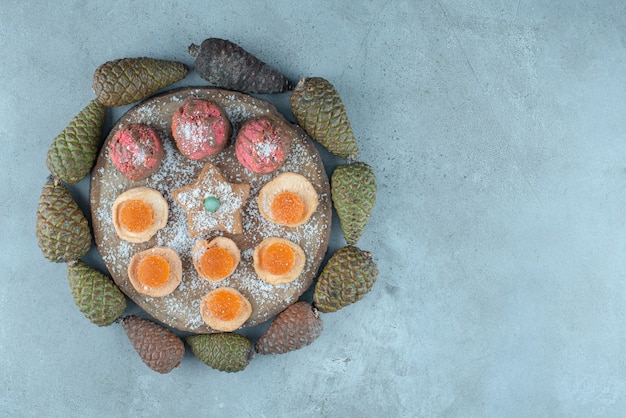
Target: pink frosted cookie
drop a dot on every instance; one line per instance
(137, 151)
(262, 145)
(200, 128)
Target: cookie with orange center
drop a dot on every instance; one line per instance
(200, 128)
(138, 214)
(217, 259)
(225, 309)
(136, 150)
(289, 199)
(278, 260)
(155, 272)
(212, 202)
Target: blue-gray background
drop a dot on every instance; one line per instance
(497, 130)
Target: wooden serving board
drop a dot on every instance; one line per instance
(181, 309)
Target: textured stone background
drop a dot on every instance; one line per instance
(498, 133)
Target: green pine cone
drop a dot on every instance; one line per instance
(347, 277)
(62, 230)
(95, 294)
(127, 80)
(353, 191)
(73, 152)
(228, 352)
(319, 110)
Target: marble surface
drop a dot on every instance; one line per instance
(497, 131)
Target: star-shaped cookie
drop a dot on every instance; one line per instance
(212, 202)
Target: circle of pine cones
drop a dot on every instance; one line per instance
(64, 236)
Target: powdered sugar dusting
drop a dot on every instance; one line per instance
(267, 149)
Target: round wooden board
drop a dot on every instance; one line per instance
(181, 309)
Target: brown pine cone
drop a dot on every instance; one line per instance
(157, 346)
(297, 326)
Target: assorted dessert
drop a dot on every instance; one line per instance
(212, 202)
(137, 151)
(225, 309)
(200, 128)
(138, 214)
(278, 260)
(156, 271)
(210, 210)
(289, 199)
(262, 145)
(217, 259)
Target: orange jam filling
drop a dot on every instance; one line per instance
(216, 263)
(136, 215)
(277, 259)
(223, 305)
(287, 208)
(153, 271)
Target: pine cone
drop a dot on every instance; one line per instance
(127, 80)
(319, 110)
(296, 327)
(227, 65)
(73, 151)
(62, 230)
(95, 294)
(347, 277)
(159, 348)
(353, 190)
(227, 351)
